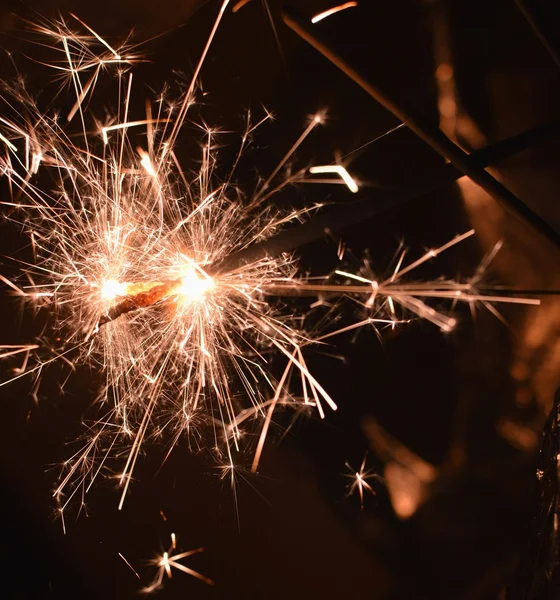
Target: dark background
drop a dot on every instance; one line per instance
(471, 403)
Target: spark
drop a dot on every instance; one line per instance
(129, 565)
(331, 11)
(316, 119)
(11, 349)
(98, 38)
(106, 130)
(6, 141)
(168, 561)
(341, 172)
(359, 481)
(146, 162)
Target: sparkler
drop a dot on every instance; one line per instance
(150, 272)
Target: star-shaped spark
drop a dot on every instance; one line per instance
(359, 481)
(168, 561)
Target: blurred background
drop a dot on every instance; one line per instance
(451, 423)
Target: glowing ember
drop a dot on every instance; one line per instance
(111, 289)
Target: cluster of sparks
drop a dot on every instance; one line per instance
(149, 275)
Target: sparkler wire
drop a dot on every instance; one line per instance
(433, 136)
(337, 217)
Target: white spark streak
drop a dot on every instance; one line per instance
(6, 141)
(106, 130)
(341, 172)
(331, 11)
